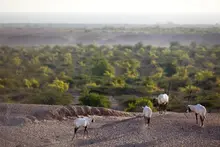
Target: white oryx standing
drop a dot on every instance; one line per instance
(161, 102)
(147, 112)
(198, 110)
(82, 122)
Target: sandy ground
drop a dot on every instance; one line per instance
(172, 129)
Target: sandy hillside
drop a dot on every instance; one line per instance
(172, 129)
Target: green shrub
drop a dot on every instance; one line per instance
(210, 101)
(94, 99)
(202, 75)
(59, 85)
(2, 86)
(129, 101)
(138, 104)
(52, 97)
(131, 107)
(32, 83)
(177, 106)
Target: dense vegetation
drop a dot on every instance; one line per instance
(48, 74)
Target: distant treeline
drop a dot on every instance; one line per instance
(149, 29)
(48, 74)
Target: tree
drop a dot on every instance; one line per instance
(32, 83)
(59, 85)
(45, 70)
(159, 73)
(189, 90)
(150, 85)
(16, 61)
(101, 67)
(130, 67)
(1, 84)
(118, 82)
(35, 61)
(27, 83)
(170, 69)
(68, 59)
(181, 73)
(202, 75)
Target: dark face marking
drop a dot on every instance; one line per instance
(92, 120)
(188, 109)
(155, 103)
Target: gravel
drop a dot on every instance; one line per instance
(172, 129)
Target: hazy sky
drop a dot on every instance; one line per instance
(113, 7)
(131, 6)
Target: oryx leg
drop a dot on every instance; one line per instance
(145, 120)
(148, 121)
(160, 109)
(202, 120)
(86, 131)
(165, 108)
(196, 118)
(75, 130)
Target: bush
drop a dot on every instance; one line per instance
(138, 104)
(52, 97)
(32, 83)
(59, 85)
(177, 106)
(94, 99)
(129, 101)
(210, 101)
